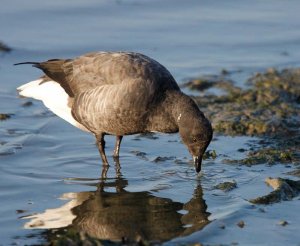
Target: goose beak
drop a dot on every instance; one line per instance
(197, 163)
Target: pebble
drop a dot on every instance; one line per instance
(241, 224)
(222, 226)
(4, 116)
(27, 104)
(283, 223)
(21, 211)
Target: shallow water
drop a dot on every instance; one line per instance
(51, 172)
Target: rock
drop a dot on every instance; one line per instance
(241, 224)
(163, 158)
(294, 173)
(179, 161)
(210, 154)
(268, 107)
(4, 47)
(199, 84)
(27, 104)
(139, 154)
(38, 223)
(226, 186)
(283, 223)
(222, 226)
(5, 116)
(267, 155)
(284, 190)
(224, 72)
(21, 211)
(274, 183)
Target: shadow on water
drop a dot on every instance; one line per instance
(117, 214)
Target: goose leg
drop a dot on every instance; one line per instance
(117, 167)
(104, 172)
(117, 147)
(101, 148)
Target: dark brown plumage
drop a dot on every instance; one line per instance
(122, 93)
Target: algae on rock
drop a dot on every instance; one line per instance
(4, 116)
(265, 155)
(226, 186)
(269, 108)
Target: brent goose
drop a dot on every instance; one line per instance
(119, 93)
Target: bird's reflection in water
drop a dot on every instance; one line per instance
(121, 214)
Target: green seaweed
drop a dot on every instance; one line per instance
(210, 154)
(269, 107)
(226, 186)
(5, 116)
(265, 155)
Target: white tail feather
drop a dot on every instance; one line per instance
(29, 89)
(53, 96)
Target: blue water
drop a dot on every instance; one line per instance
(44, 159)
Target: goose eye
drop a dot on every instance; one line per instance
(194, 139)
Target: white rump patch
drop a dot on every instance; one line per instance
(53, 96)
(24, 89)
